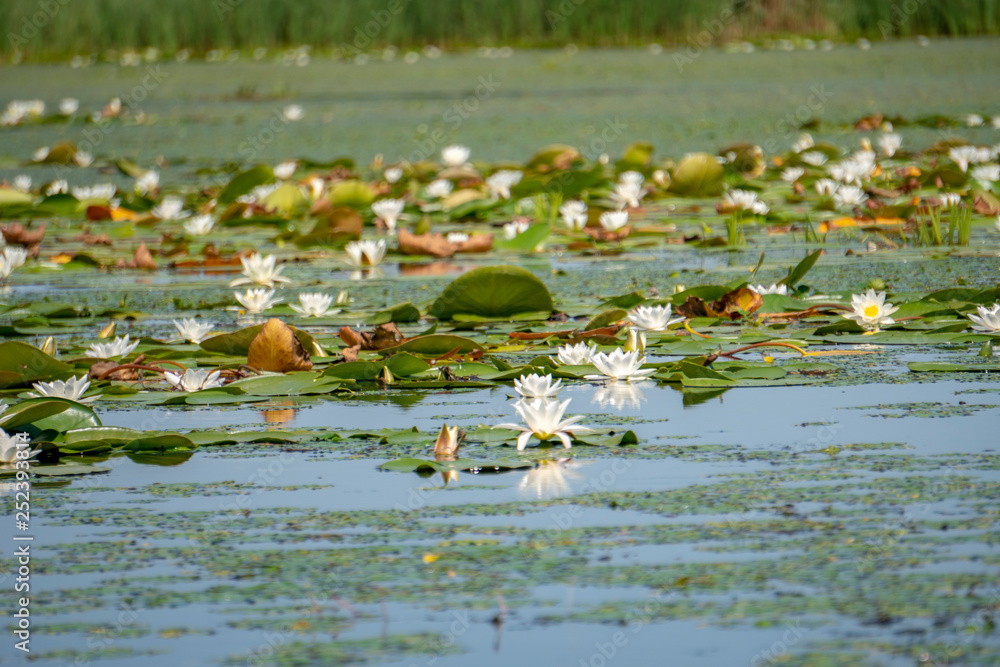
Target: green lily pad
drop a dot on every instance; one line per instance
(22, 364)
(244, 182)
(159, 443)
(497, 292)
(39, 414)
(68, 470)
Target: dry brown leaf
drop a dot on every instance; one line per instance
(277, 349)
(17, 234)
(435, 245)
(733, 305)
(382, 337)
(142, 258)
(476, 243)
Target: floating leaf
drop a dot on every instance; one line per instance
(22, 364)
(159, 443)
(499, 292)
(245, 181)
(698, 174)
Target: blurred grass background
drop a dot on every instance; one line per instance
(42, 29)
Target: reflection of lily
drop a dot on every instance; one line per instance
(621, 395)
(367, 274)
(549, 480)
(544, 420)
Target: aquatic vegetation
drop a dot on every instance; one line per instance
(871, 311)
(620, 365)
(194, 379)
(72, 389)
(988, 319)
(120, 347)
(543, 419)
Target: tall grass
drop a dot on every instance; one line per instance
(87, 26)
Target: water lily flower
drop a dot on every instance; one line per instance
(825, 186)
(537, 386)
(620, 365)
(365, 253)
(315, 304)
(83, 158)
(68, 106)
(105, 191)
(871, 311)
(259, 270)
(293, 112)
(950, 199)
(974, 120)
(22, 182)
(192, 330)
(814, 158)
(744, 200)
(792, 174)
(544, 420)
(502, 181)
(575, 355)
(986, 175)
(775, 288)
(447, 443)
(9, 448)
(963, 155)
(439, 189)
(59, 187)
(804, 143)
(393, 174)
(171, 208)
(119, 348)
(19, 110)
(513, 228)
(574, 214)
(995, 122)
(389, 211)
(257, 300)
(148, 183)
(457, 237)
(760, 208)
(72, 389)
(849, 195)
(194, 379)
(655, 318)
(988, 319)
(40, 154)
(286, 169)
(628, 191)
(200, 225)
(11, 259)
(890, 143)
(612, 221)
(455, 155)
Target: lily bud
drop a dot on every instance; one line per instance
(49, 346)
(108, 331)
(636, 341)
(447, 442)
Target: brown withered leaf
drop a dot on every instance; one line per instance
(17, 234)
(601, 234)
(732, 305)
(143, 259)
(435, 245)
(476, 243)
(986, 204)
(277, 349)
(381, 337)
(351, 353)
(90, 239)
(869, 123)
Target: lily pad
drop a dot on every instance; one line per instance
(497, 292)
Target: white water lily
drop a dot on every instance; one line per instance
(544, 420)
(502, 181)
(192, 330)
(825, 186)
(814, 158)
(147, 183)
(259, 270)
(11, 259)
(986, 175)
(72, 389)
(950, 199)
(889, 143)
(849, 195)
(257, 300)
(804, 143)
(365, 253)
(171, 208)
(20, 110)
(393, 174)
(389, 211)
(22, 182)
(620, 365)
(537, 386)
(871, 311)
(200, 225)
(612, 221)
(513, 228)
(119, 348)
(457, 237)
(285, 170)
(628, 191)
(9, 448)
(105, 191)
(455, 155)
(974, 120)
(59, 187)
(574, 214)
(194, 379)
(68, 106)
(792, 174)
(963, 155)
(988, 319)
(293, 112)
(575, 355)
(655, 318)
(40, 154)
(439, 189)
(83, 158)
(775, 288)
(314, 304)
(745, 200)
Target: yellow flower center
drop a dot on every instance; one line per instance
(871, 311)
